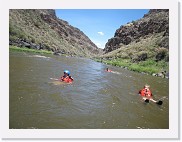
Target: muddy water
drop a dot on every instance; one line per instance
(96, 99)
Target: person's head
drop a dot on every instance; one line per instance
(146, 86)
(67, 72)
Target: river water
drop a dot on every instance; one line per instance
(95, 100)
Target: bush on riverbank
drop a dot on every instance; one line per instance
(23, 49)
(149, 66)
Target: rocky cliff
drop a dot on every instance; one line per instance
(41, 29)
(145, 38)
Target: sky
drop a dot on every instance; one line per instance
(99, 24)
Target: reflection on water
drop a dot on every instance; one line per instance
(95, 100)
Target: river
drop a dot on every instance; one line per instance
(95, 100)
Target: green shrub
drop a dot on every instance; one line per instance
(146, 69)
(14, 48)
(149, 66)
(13, 38)
(148, 62)
(16, 32)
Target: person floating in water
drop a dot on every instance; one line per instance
(108, 70)
(147, 95)
(66, 77)
(145, 92)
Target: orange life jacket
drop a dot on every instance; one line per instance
(145, 92)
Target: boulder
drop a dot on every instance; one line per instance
(160, 56)
(140, 57)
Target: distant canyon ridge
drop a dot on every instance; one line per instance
(138, 40)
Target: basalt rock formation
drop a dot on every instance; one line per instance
(147, 37)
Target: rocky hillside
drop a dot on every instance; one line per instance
(140, 40)
(41, 29)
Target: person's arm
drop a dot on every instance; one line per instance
(71, 78)
(61, 78)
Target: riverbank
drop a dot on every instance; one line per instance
(23, 49)
(149, 66)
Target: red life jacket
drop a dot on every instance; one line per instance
(108, 70)
(67, 79)
(145, 93)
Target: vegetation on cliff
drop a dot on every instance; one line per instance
(41, 29)
(141, 45)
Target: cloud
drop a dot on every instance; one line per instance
(100, 33)
(99, 45)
